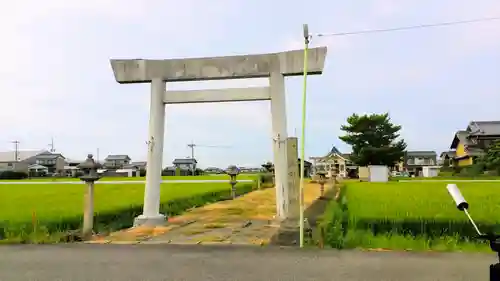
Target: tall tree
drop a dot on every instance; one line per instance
(492, 157)
(374, 139)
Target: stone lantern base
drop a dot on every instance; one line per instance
(151, 221)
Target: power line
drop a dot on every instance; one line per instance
(192, 145)
(441, 24)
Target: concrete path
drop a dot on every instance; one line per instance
(78, 262)
(116, 182)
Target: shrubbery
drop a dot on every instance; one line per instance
(12, 175)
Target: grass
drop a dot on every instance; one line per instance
(410, 215)
(448, 178)
(53, 209)
(203, 177)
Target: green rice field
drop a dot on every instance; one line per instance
(26, 209)
(411, 216)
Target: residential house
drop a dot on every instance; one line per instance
(333, 160)
(71, 167)
(133, 169)
(139, 165)
(308, 168)
(185, 163)
(54, 162)
(469, 144)
(115, 162)
(447, 157)
(414, 161)
(214, 170)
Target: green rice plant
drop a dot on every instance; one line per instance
(413, 215)
(34, 213)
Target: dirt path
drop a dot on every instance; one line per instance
(249, 219)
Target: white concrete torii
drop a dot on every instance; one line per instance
(157, 72)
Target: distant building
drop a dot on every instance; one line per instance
(185, 163)
(115, 162)
(53, 162)
(414, 161)
(141, 165)
(333, 160)
(469, 144)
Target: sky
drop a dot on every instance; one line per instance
(56, 80)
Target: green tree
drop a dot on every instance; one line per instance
(374, 139)
(491, 159)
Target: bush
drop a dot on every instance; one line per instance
(266, 178)
(472, 170)
(13, 175)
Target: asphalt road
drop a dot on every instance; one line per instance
(79, 262)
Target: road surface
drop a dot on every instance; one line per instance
(78, 262)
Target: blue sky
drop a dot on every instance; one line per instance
(56, 80)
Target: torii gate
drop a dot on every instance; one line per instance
(275, 66)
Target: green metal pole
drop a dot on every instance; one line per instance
(303, 136)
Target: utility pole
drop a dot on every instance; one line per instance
(16, 150)
(192, 145)
(51, 145)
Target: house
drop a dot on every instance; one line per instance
(115, 162)
(469, 144)
(333, 160)
(185, 163)
(308, 168)
(37, 170)
(414, 161)
(446, 157)
(54, 162)
(71, 167)
(215, 170)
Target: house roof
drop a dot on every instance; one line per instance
(49, 156)
(184, 161)
(135, 165)
(117, 157)
(334, 150)
(484, 128)
(450, 153)
(460, 137)
(421, 153)
(306, 163)
(36, 167)
(9, 156)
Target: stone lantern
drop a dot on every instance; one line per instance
(232, 171)
(321, 181)
(90, 176)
